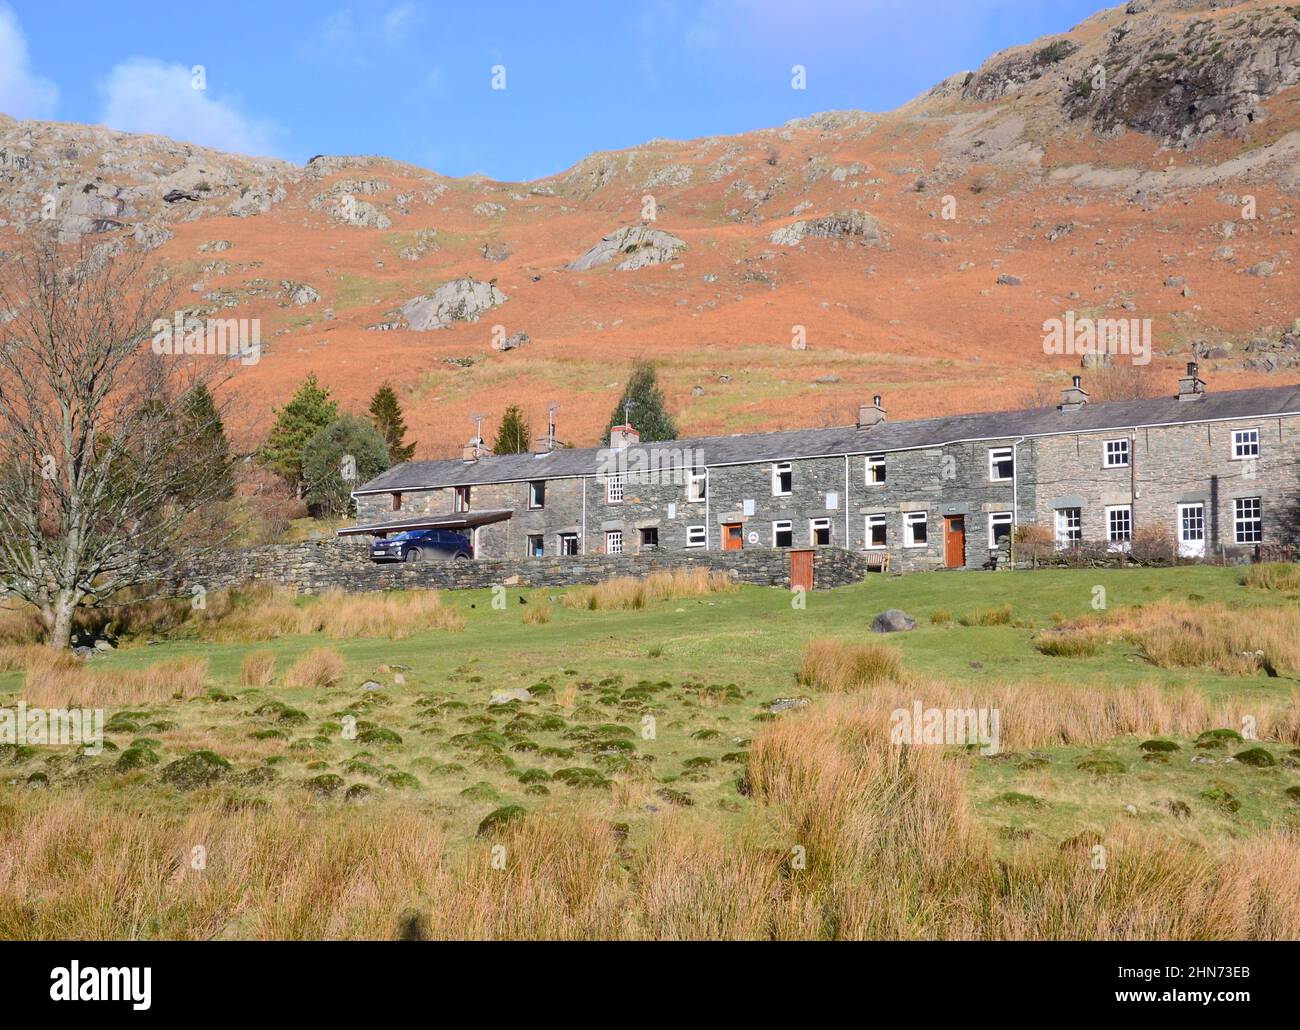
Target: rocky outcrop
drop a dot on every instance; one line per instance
(512, 341)
(256, 200)
(639, 246)
(845, 225)
(298, 294)
(461, 300)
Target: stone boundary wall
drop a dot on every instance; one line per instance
(318, 565)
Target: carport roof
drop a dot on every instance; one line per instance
(461, 520)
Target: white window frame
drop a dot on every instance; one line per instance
(814, 525)
(996, 518)
(1245, 444)
(560, 538)
(697, 536)
(534, 504)
(872, 463)
(782, 526)
(879, 519)
(1063, 528)
(911, 520)
(696, 484)
(1114, 450)
(1122, 543)
(460, 498)
(613, 541)
(528, 544)
(779, 469)
(614, 487)
(1005, 453)
(1240, 523)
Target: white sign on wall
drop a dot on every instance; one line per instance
(832, 501)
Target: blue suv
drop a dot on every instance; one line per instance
(421, 545)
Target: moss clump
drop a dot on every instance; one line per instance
(357, 792)
(379, 736)
(281, 712)
(258, 776)
(1016, 800)
(17, 754)
(400, 781)
(1158, 746)
(1256, 757)
(481, 791)
(197, 769)
(125, 722)
(38, 779)
(1218, 738)
(161, 726)
(1222, 798)
(563, 753)
(358, 767)
(675, 797)
(269, 735)
(136, 757)
(538, 789)
(500, 818)
(1101, 763)
(578, 776)
(1293, 793)
(326, 785)
(534, 776)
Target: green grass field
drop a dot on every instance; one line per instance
(704, 673)
(638, 717)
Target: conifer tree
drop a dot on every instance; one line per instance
(642, 404)
(513, 435)
(310, 410)
(386, 417)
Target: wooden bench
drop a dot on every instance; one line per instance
(878, 560)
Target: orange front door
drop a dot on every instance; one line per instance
(733, 536)
(801, 570)
(954, 541)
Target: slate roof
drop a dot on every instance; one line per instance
(840, 440)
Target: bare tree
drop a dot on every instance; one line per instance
(102, 457)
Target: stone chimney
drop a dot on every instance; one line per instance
(623, 437)
(1074, 396)
(1191, 386)
(872, 414)
(474, 450)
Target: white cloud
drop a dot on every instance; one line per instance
(365, 32)
(146, 95)
(23, 93)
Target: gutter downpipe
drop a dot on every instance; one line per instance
(584, 515)
(708, 496)
(1015, 499)
(846, 503)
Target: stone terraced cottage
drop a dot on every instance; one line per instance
(1217, 471)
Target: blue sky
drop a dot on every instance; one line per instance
(413, 80)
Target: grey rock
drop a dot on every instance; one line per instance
(299, 294)
(895, 620)
(642, 246)
(855, 225)
(1009, 280)
(1262, 270)
(511, 342)
(461, 300)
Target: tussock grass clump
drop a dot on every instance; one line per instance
(1273, 576)
(334, 614)
(257, 669)
(1236, 641)
(537, 615)
(55, 680)
(940, 617)
(16, 657)
(838, 666)
(627, 593)
(1000, 616)
(19, 623)
(1084, 642)
(318, 668)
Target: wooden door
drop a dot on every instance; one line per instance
(954, 541)
(801, 570)
(733, 536)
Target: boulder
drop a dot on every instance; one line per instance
(505, 696)
(512, 341)
(461, 300)
(895, 620)
(641, 245)
(846, 225)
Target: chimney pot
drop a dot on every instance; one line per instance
(623, 437)
(1191, 386)
(1073, 397)
(871, 414)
